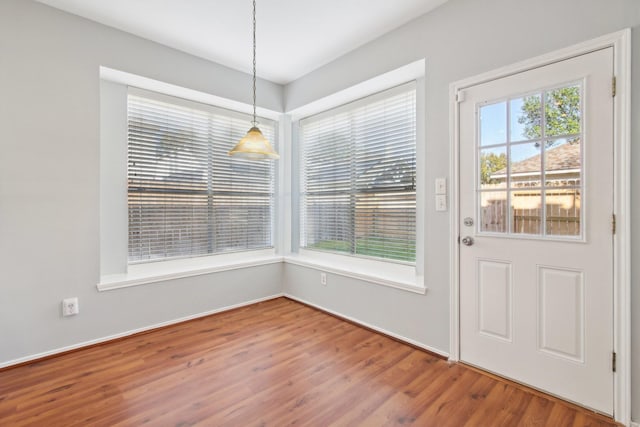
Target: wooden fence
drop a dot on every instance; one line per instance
(562, 213)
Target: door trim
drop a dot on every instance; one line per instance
(621, 43)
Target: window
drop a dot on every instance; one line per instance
(186, 196)
(529, 156)
(358, 177)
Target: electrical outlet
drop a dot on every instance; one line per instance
(323, 279)
(70, 306)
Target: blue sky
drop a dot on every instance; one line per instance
(493, 129)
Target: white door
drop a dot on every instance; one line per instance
(536, 205)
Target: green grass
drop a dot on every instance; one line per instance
(371, 246)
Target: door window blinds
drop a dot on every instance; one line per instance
(186, 196)
(358, 177)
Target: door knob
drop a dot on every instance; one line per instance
(468, 240)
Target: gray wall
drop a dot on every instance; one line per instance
(49, 157)
(49, 181)
(460, 39)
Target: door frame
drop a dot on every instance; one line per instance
(621, 43)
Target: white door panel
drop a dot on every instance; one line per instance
(536, 178)
(494, 298)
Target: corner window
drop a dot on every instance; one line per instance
(358, 177)
(186, 196)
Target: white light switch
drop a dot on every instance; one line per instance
(441, 185)
(441, 202)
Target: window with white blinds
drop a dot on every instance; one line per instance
(358, 177)
(186, 196)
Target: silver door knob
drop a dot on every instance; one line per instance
(467, 241)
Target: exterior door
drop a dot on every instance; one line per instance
(536, 210)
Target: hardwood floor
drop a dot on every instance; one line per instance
(276, 363)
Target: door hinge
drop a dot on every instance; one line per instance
(613, 223)
(458, 239)
(613, 86)
(460, 96)
(613, 361)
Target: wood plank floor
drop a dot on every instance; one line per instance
(276, 363)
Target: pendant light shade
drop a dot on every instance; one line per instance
(254, 146)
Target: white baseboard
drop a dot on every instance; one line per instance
(634, 424)
(367, 325)
(215, 311)
(133, 331)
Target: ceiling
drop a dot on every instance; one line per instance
(294, 37)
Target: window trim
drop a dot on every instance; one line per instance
(115, 270)
(351, 110)
(114, 273)
(161, 271)
(383, 273)
(376, 270)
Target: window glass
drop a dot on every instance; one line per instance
(493, 124)
(358, 170)
(186, 196)
(539, 165)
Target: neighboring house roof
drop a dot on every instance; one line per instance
(564, 157)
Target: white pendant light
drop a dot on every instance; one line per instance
(254, 146)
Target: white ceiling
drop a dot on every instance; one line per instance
(294, 37)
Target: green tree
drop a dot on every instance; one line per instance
(490, 163)
(561, 113)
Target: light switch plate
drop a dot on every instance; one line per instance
(441, 185)
(441, 202)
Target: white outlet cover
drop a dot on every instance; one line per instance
(70, 306)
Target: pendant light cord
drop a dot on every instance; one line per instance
(255, 122)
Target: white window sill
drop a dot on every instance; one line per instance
(399, 276)
(154, 272)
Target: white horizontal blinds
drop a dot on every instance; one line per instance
(385, 183)
(327, 177)
(358, 177)
(186, 196)
(242, 190)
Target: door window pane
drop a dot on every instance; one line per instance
(493, 124)
(563, 212)
(493, 211)
(526, 212)
(563, 162)
(562, 111)
(525, 165)
(526, 118)
(537, 156)
(493, 168)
